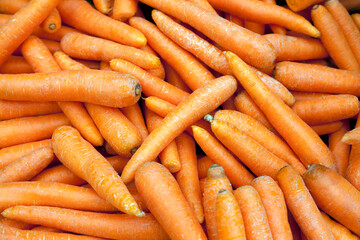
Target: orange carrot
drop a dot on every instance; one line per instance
(104, 225)
(255, 27)
(159, 106)
(46, 229)
(203, 165)
(253, 212)
(338, 230)
(275, 28)
(334, 39)
(157, 72)
(326, 128)
(52, 23)
(83, 16)
(15, 65)
(298, 5)
(124, 9)
(155, 183)
(300, 96)
(353, 170)
(52, 45)
(12, 7)
(356, 19)
(192, 109)
(109, 150)
(339, 149)
(90, 64)
(295, 229)
(229, 104)
(134, 114)
(104, 6)
(352, 137)
(234, 19)
(66, 63)
(302, 139)
(14, 224)
(56, 36)
(204, 4)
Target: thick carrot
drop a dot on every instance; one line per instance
(104, 6)
(275, 206)
(306, 144)
(206, 52)
(253, 212)
(51, 194)
(338, 230)
(215, 181)
(325, 185)
(29, 129)
(250, 46)
(339, 149)
(157, 72)
(66, 63)
(234, 170)
(275, 28)
(124, 9)
(84, 46)
(302, 205)
(83, 16)
(255, 27)
(229, 221)
(104, 225)
(334, 39)
(352, 137)
(298, 5)
(134, 114)
(352, 172)
(192, 109)
(187, 66)
(155, 183)
(187, 176)
(15, 65)
(326, 128)
(52, 23)
(98, 87)
(356, 19)
(27, 166)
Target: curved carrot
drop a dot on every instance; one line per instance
(15, 65)
(104, 6)
(302, 139)
(52, 23)
(326, 128)
(338, 230)
(325, 185)
(203, 165)
(66, 63)
(155, 183)
(84, 46)
(104, 225)
(124, 9)
(302, 205)
(83, 16)
(334, 39)
(339, 149)
(255, 27)
(298, 5)
(134, 114)
(192, 109)
(157, 72)
(82, 158)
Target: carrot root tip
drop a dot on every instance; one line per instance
(52, 26)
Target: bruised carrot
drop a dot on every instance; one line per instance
(124, 9)
(15, 65)
(338, 230)
(192, 109)
(326, 128)
(255, 27)
(104, 6)
(203, 165)
(157, 72)
(339, 149)
(180, 222)
(134, 114)
(66, 63)
(298, 5)
(52, 23)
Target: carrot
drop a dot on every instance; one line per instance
(83, 46)
(349, 4)
(298, 5)
(352, 172)
(229, 104)
(306, 144)
(351, 137)
(90, 64)
(253, 212)
(339, 149)
(356, 19)
(295, 229)
(326, 128)
(66, 63)
(52, 45)
(56, 36)
(14, 224)
(82, 158)
(346, 24)
(253, 48)
(109, 150)
(15, 65)
(255, 27)
(81, 15)
(157, 72)
(206, 52)
(136, 195)
(275, 28)
(334, 39)
(338, 230)
(155, 183)
(12, 7)
(229, 221)
(51, 194)
(215, 181)
(27, 166)
(98, 87)
(204, 4)
(290, 48)
(300, 96)
(262, 135)
(104, 6)
(275, 206)
(124, 9)
(52, 23)
(192, 109)
(159, 106)
(46, 229)
(234, 19)
(188, 67)
(134, 114)
(203, 165)
(104, 225)
(151, 85)
(187, 176)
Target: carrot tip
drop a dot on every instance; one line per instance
(137, 90)
(140, 214)
(208, 118)
(315, 7)
(52, 26)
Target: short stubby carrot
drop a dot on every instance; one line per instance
(340, 149)
(93, 86)
(15, 65)
(82, 158)
(192, 109)
(155, 183)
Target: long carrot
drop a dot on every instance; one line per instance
(66, 63)
(326, 128)
(155, 183)
(52, 23)
(104, 225)
(134, 114)
(157, 72)
(124, 9)
(302, 139)
(82, 158)
(255, 27)
(339, 149)
(15, 65)
(275, 28)
(250, 46)
(174, 79)
(14, 224)
(192, 109)
(338, 230)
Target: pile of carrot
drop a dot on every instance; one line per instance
(207, 119)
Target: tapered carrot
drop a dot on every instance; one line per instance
(124, 9)
(262, 135)
(229, 221)
(134, 114)
(302, 205)
(338, 230)
(275, 206)
(208, 53)
(15, 65)
(339, 149)
(253, 48)
(215, 181)
(52, 23)
(46, 229)
(83, 46)
(187, 176)
(109, 150)
(203, 165)
(302, 139)
(275, 28)
(155, 183)
(253, 212)
(356, 19)
(204, 4)
(326, 128)
(83, 16)
(157, 72)
(159, 106)
(298, 5)
(27, 166)
(352, 172)
(352, 137)
(334, 39)
(255, 27)
(188, 67)
(66, 63)
(151, 85)
(325, 185)
(104, 6)
(52, 45)
(29, 129)
(51, 194)
(112, 226)
(99, 87)
(192, 109)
